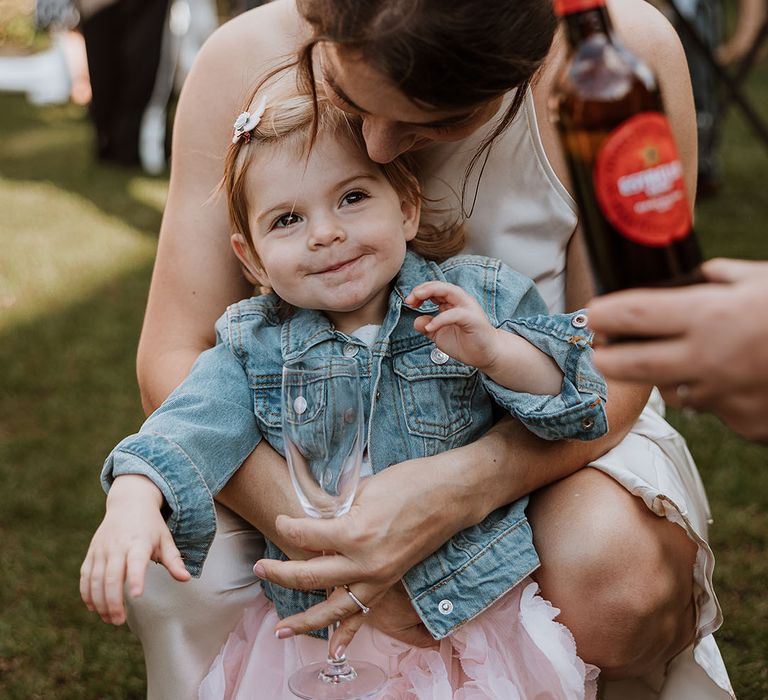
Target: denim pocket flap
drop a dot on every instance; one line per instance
(436, 391)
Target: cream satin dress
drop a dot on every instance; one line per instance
(522, 214)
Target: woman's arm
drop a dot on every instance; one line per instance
(196, 275)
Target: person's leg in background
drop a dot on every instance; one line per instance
(123, 44)
(98, 31)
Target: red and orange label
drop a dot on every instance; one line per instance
(569, 7)
(639, 182)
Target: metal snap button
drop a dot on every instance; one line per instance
(579, 320)
(299, 405)
(587, 424)
(350, 350)
(438, 356)
(445, 607)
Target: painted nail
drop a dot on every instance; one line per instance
(284, 633)
(339, 653)
(259, 570)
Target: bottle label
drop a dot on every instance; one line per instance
(639, 182)
(569, 7)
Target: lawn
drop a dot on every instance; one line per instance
(78, 241)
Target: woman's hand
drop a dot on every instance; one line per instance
(384, 534)
(707, 345)
(391, 613)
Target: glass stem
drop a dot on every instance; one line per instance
(337, 669)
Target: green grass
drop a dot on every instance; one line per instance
(78, 241)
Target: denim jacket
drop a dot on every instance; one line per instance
(418, 402)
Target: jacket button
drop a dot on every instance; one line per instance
(438, 356)
(350, 350)
(587, 424)
(299, 405)
(579, 320)
(445, 607)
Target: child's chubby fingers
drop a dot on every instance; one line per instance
(85, 581)
(170, 558)
(453, 317)
(439, 292)
(96, 583)
(114, 581)
(136, 561)
(103, 600)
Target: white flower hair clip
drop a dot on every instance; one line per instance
(248, 121)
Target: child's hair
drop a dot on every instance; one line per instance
(294, 122)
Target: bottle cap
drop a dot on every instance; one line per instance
(569, 7)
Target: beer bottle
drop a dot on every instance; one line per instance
(622, 157)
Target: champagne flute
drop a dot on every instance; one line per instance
(323, 432)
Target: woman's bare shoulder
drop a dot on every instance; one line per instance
(240, 52)
(230, 64)
(645, 31)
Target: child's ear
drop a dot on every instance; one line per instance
(411, 209)
(253, 270)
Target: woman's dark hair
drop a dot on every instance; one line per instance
(449, 54)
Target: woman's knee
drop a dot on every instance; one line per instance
(622, 577)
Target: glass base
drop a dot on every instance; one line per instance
(355, 679)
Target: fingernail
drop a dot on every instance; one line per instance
(259, 570)
(340, 650)
(284, 633)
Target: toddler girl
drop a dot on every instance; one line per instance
(443, 344)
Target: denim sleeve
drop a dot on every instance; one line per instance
(578, 411)
(191, 446)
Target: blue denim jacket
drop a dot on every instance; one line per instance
(419, 402)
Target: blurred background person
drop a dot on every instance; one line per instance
(123, 39)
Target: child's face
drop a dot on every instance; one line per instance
(330, 231)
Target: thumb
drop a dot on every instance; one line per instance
(727, 270)
(171, 559)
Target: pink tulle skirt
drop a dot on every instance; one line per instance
(513, 651)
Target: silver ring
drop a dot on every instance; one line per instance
(363, 607)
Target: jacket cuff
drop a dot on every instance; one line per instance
(446, 603)
(192, 520)
(578, 411)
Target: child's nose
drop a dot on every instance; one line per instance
(326, 232)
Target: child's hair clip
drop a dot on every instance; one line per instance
(248, 121)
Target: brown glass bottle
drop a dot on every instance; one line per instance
(623, 161)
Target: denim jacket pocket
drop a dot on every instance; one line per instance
(266, 390)
(436, 391)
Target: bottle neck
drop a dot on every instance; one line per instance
(585, 23)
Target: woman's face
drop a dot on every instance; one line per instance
(392, 123)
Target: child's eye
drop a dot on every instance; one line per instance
(286, 220)
(354, 197)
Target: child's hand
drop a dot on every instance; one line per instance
(132, 533)
(461, 329)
